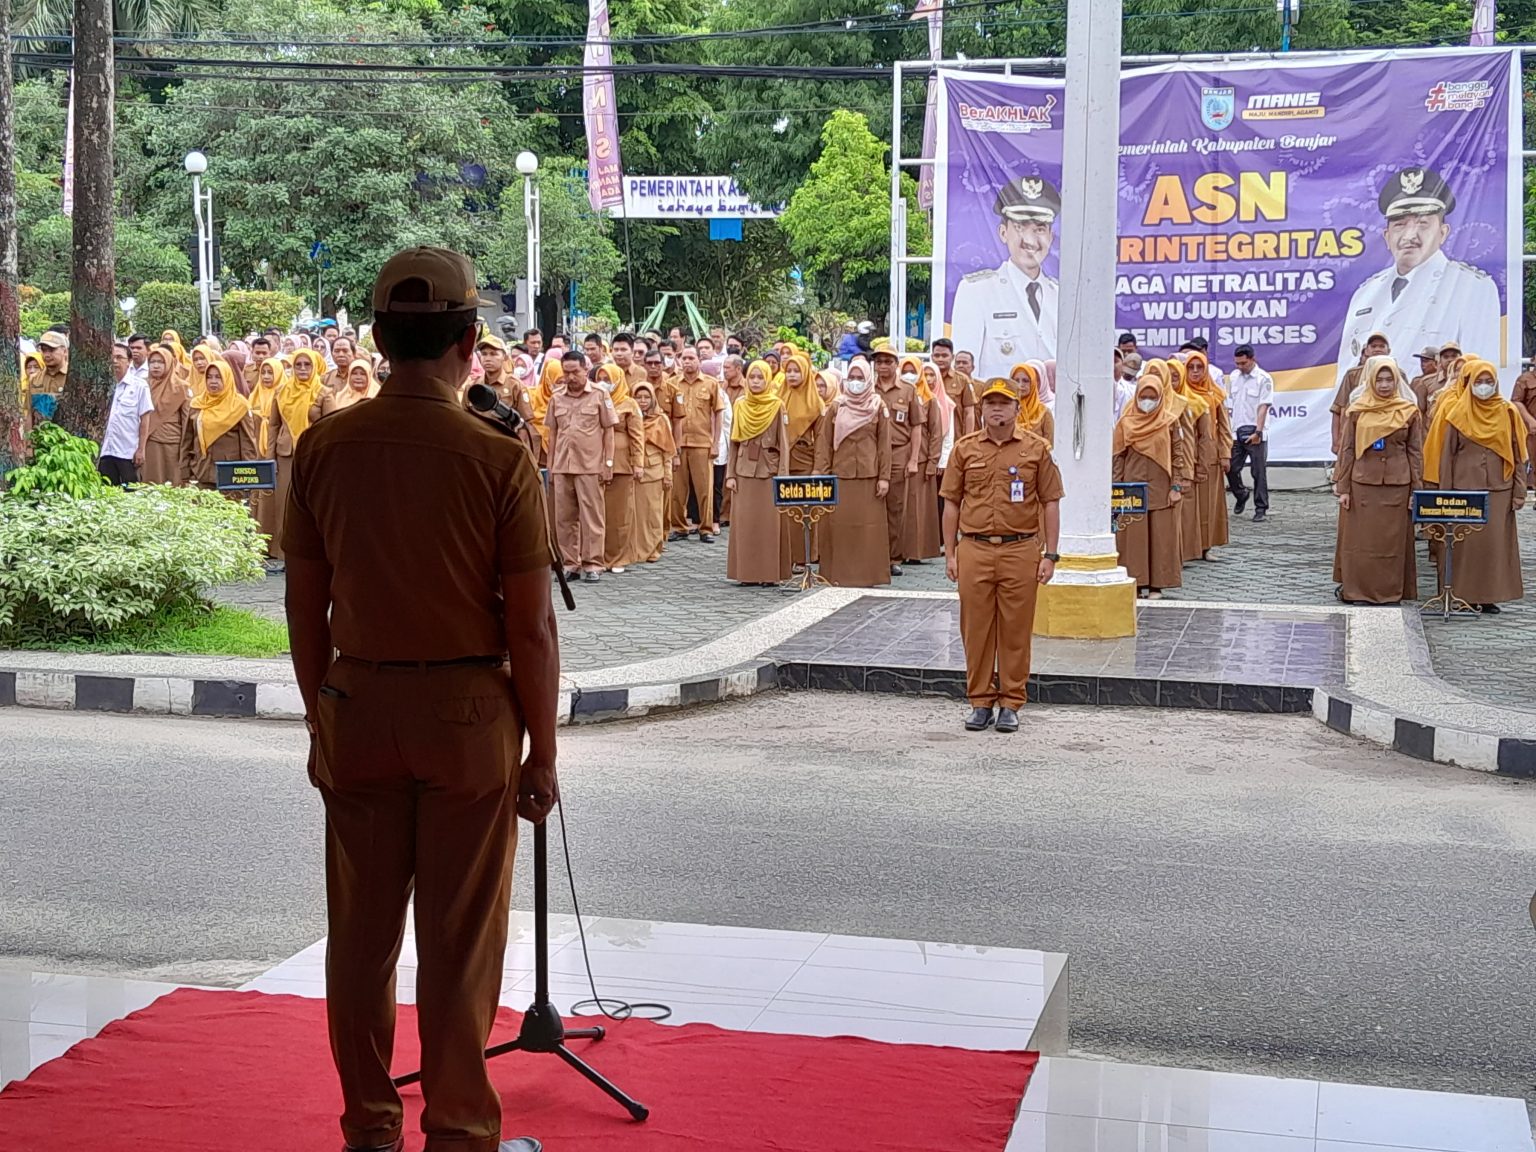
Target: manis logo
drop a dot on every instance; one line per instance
(1007, 117)
(1458, 96)
(1285, 106)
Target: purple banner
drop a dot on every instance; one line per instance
(605, 172)
(1297, 208)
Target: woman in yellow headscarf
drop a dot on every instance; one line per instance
(1034, 416)
(269, 377)
(1214, 452)
(358, 385)
(1381, 462)
(200, 357)
(1476, 442)
(920, 534)
(628, 464)
(292, 405)
(183, 362)
(1150, 448)
(32, 368)
(655, 475)
(803, 406)
(1198, 428)
(221, 428)
(539, 397)
(758, 451)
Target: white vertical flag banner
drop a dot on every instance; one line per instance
(1485, 17)
(605, 172)
(69, 151)
(933, 11)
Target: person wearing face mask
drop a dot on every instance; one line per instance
(655, 479)
(1476, 442)
(900, 400)
(920, 534)
(581, 423)
(1151, 448)
(854, 444)
(221, 428)
(758, 451)
(1381, 462)
(628, 465)
(163, 457)
(1034, 416)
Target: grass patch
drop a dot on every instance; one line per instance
(216, 631)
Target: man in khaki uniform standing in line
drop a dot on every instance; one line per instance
(580, 420)
(343, 353)
(623, 351)
(401, 646)
(1428, 378)
(54, 347)
(900, 399)
(1001, 500)
(699, 408)
(1375, 345)
(957, 386)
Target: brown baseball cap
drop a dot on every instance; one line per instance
(491, 341)
(53, 340)
(449, 277)
(997, 386)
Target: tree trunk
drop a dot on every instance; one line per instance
(12, 426)
(93, 289)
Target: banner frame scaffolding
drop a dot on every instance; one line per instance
(1053, 66)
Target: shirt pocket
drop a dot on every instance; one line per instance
(587, 418)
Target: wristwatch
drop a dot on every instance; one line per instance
(1053, 557)
(1176, 488)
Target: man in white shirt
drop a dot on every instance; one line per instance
(1251, 391)
(122, 445)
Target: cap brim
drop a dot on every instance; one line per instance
(1423, 206)
(1039, 215)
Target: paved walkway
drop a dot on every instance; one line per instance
(684, 600)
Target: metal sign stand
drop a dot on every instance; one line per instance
(1447, 603)
(807, 516)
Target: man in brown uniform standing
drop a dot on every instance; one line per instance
(957, 385)
(401, 646)
(1428, 379)
(580, 420)
(54, 347)
(1001, 495)
(699, 406)
(900, 399)
(343, 353)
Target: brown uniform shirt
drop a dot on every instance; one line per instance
(239, 443)
(1346, 386)
(1424, 385)
(418, 508)
(696, 406)
(865, 455)
(1525, 392)
(906, 420)
(628, 439)
(762, 457)
(51, 383)
(576, 424)
(1399, 460)
(666, 395)
(981, 477)
(962, 391)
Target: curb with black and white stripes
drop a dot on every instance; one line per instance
(1481, 751)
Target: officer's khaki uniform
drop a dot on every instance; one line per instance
(417, 762)
(619, 493)
(906, 422)
(1524, 397)
(920, 537)
(1424, 387)
(999, 577)
(579, 444)
(695, 405)
(651, 491)
(962, 390)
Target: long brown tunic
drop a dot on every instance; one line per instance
(802, 462)
(163, 461)
(756, 552)
(921, 537)
(1149, 548)
(650, 495)
(239, 443)
(1374, 559)
(619, 495)
(1486, 564)
(855, 548)
(1211, 495)
(1197, 433)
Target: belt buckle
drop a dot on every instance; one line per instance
(994, 539)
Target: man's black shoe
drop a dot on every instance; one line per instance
(676, 536)
(980, 721)
(1260, 517)
(706, 538)
(1242, 502)
(1007, 720)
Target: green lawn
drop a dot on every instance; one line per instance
(220, 631)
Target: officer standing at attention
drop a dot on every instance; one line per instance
(407, 595)
(581, 421)
(1002, 519)
(900, 400)
(1007, 314)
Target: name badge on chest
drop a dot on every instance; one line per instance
(1015, 487)
(901, 415)
(1380, 445)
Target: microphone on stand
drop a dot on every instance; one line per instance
(484, 399)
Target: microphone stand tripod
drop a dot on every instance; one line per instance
(543, 1031)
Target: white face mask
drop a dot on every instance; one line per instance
(521, 370)
(1484, 391)
(856, 387)
(1148, 403)
(909, 377)
(606, 385)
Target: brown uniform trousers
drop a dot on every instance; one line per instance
(906, 422)
(999, 581)
(696, 405)
(619, 495)
(576, 476)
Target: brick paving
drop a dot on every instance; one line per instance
(684, 600)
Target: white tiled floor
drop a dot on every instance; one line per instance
(893, 990)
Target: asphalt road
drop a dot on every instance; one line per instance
(1237, 892)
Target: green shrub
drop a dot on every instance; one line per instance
(54, 305)
(60, 463)
(163, 305)
(82, 568)
(34, 323)
(243, 312)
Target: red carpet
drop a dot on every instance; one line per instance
(199, 1071)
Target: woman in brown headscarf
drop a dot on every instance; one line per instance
(1034, 416)
(1152, 448)
(269, 376)
(1214, 452)
(163, 459)
(920, 533)
(1477, 442)
(359, 386)
(628, 463)
(1381, 462)
(803, 406)
(1198, 429)
(828, 386)
(221, 427)
(758, 451)
(854, 444)
(655, 481)
(288, 420)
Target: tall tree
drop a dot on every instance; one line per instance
(93, 284)
(11, 424)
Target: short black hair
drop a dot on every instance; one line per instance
(533, 332)
(624, 338)
(404, 337)
(1244, 350)
(258, 340)
(138, 338)
(944, 342)
(573, 355)
(591, 336)
(1201, 343)
(656, 354)
(1125, 338)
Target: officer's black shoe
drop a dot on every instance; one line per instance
(1242, 502)
(676, 536)
(1007, 720)
(706, 538)
(1260, 517)
(980, 721)
(896, 570)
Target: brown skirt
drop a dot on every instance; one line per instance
(921, 538)
(619, 521)
(1485, 567)
(1149, 549)
(1375, 550)
(802, 462)
(1190, 546)
(755, 553)
(162, 463)
(855, 546)
(650, 536)
(1213, 511)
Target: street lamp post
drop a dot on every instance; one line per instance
(196, 164)
(528, 164)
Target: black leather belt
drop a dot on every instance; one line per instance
(459, 662)
(998, 539)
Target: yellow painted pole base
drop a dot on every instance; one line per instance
(1070, 610)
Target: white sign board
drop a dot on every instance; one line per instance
(685, 197)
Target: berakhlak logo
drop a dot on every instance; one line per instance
(1217, 107)
(1007, 117)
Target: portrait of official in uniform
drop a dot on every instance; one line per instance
(1423, 296)
(1007, 314)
